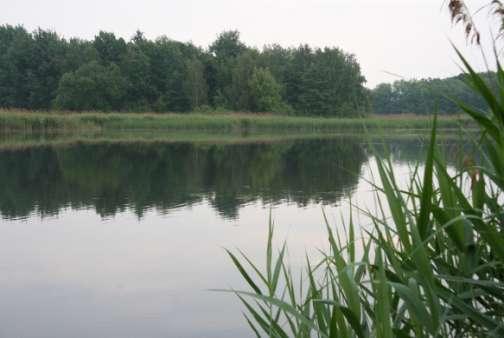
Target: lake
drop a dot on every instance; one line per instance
(118, 238)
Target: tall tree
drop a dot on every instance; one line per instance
(92, 87)
(47, 57)
(225, 50)
(136, 67)
(16, 45)
(195, 83)
(227, 45)
(110, 48)
(238, 93)
(264, 92)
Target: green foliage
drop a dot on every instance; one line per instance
(110, 49)
(77, 53)
(431, 265)
(136, 69)
(209, 119)
(331, 85)
(169, 76)
(30, 67)
(165, 75)
(47, 59)
(238, 92)
(428, 95)
(227, 46)
(195, 84)
(264, 91)
(91, 87)
(15, 49)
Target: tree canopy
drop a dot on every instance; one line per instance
(42, 70)
(426, 96)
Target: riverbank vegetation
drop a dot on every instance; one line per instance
(26, 121)
(16, 141)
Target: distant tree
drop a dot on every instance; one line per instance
(30, 67)
(110, 48)
(277, 60)
(426, 96)
(168, 66)
(300, 60)
(264, 92)
(48, 60)
(77, 53)
(227, 45)
(16, 45)
(195, 83)
(136, 68)
(239, 93)
(139, 38)
(331, 84)
(384, 99)
(225, 51)
(92, 87)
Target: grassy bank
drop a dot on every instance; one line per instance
(47, 121)
(21, 140)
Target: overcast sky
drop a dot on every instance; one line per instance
(405, 37)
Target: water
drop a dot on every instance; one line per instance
(124, 239)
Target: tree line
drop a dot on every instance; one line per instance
(41, 70)
(426, 96)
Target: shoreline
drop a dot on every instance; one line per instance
(28, 122)
(22, 140)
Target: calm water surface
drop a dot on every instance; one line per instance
(124, 239)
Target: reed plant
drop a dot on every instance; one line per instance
(32, 121)
(430, 265)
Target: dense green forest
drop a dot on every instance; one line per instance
(42, 70)
(427, 95)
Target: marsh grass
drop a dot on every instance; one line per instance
(28, 121)
(431, 264)
(21, 140)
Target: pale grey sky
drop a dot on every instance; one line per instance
(406, 37)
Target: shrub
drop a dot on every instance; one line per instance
(92, 87)
(264, 91)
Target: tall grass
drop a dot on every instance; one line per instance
(27, 121)
(431, 264)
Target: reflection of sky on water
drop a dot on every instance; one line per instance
(79, 276)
